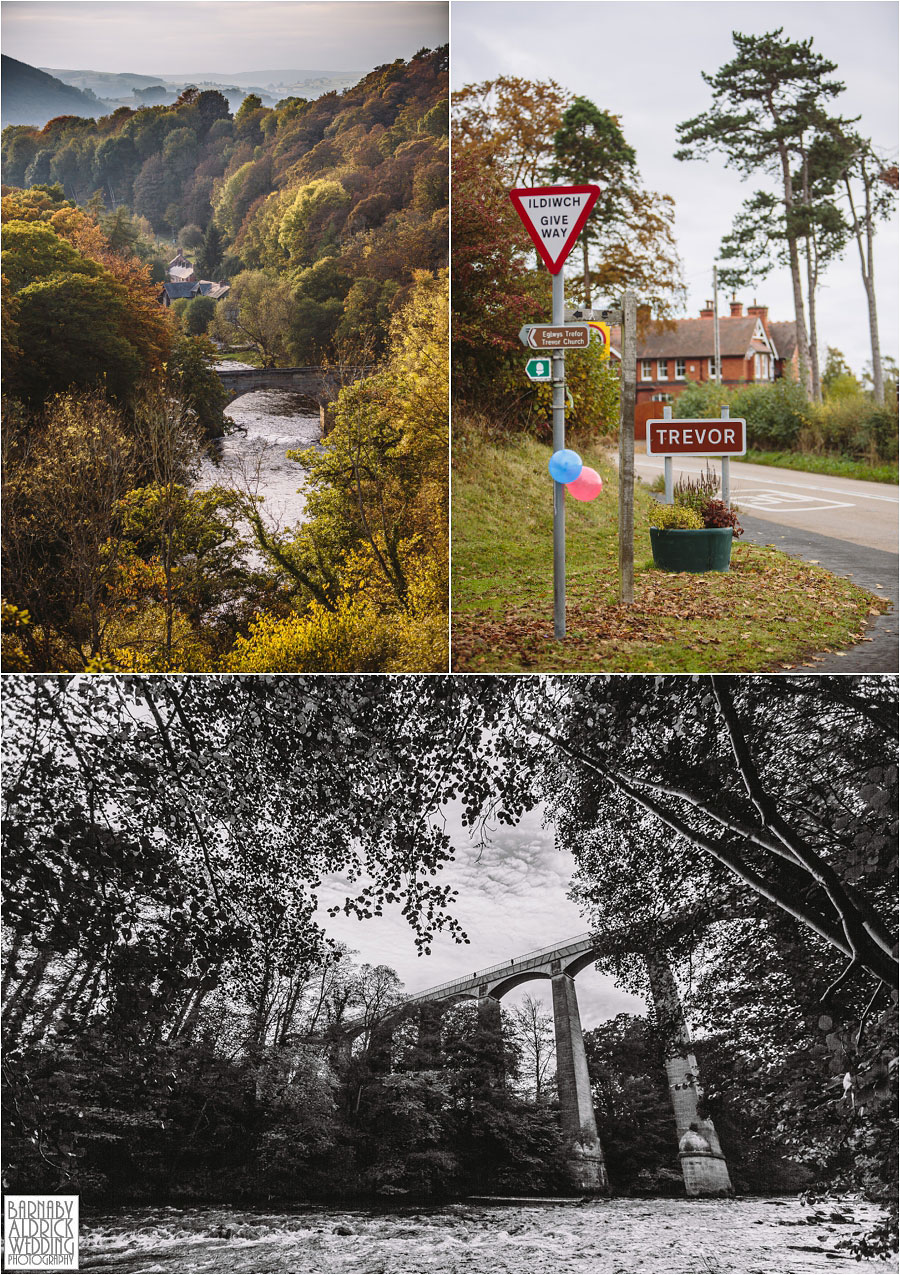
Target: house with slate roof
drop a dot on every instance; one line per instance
(170, 292)
(751, 349)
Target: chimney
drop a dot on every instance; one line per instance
(761, 311)
(707, 311)
(737, 309)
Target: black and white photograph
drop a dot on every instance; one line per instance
(441, 974)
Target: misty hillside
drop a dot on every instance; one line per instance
(30, 96)
(124, 88)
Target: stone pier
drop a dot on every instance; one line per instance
(579, 1125)
(702, 1162)
(429, 1035)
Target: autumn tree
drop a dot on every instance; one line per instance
(66, 471)
(508, 125)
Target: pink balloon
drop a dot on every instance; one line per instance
(586, 486)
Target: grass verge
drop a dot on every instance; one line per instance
(769, 613)
(838, 466)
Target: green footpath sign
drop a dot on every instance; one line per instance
(539, 369)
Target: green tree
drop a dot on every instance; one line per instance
(870, 185)
(210, 254)
(589, 147)
(199, 315)
(838, 380)
(768, 101)
(259, 309)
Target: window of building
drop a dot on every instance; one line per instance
(646, 369)
(661, 398)
(757, 370)
(679, 369)
(662, 370)
(711, 369)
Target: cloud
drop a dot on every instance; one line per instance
(512, 900)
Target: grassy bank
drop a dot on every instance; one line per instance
(838, 466)
(769, 612)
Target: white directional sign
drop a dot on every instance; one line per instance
(554, 217)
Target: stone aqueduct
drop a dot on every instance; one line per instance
(702, 1163)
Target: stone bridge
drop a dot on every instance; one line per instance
(702, 1162)
(321, 384)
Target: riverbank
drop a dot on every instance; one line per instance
(626, 1236)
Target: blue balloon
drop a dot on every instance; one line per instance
(565, 466)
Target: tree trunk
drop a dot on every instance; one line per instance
(811, 274)
(869, 282)
(794, 257)
(867, 266)
(811, 280)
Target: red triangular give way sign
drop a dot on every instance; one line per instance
(554, 217)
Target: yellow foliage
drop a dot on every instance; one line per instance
(136, 642)
(355, 638)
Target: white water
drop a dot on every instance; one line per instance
(253, 460)
(628, 1236)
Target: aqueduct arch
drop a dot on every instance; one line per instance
(702, 1163)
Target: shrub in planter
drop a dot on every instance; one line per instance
(717, 514)
(675, 518)
(695, 493)
(681, 541)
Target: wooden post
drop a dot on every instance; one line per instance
(628, 391)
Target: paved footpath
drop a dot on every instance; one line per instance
(873, 569)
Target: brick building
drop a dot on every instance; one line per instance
(751, 349)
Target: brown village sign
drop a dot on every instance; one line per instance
(697, 437)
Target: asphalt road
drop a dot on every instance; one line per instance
(842, 508)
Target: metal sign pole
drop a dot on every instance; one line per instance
(559, 442)
(667, 465)
(627, 393)
(726, 466)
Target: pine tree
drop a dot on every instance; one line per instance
(211, 251)
(769, 101)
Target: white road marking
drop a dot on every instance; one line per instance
(736, 477)
(786, 502)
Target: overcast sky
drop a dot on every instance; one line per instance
(642, 60)
(169, 39)
(512, 900)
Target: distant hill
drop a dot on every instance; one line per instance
(118, 88)
(30, 96)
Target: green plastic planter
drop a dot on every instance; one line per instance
(705, 550)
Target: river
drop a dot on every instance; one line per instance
(629, 1236)
(270, 422)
